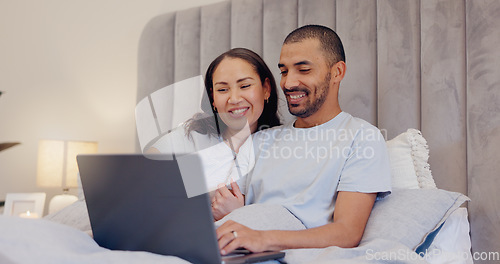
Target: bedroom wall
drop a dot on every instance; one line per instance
(425, 64)
(68, 70)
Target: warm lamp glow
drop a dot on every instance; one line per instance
(57, 165)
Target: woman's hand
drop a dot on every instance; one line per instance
(225, 200)
(232, 235)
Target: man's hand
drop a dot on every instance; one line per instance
(232, 235)
(225, 200)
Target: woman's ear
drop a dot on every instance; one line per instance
(267, 88)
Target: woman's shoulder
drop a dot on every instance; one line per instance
(180, 141)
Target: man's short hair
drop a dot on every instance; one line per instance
(329, 41)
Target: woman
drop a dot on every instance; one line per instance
(243, 95)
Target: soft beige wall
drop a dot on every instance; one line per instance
(69, 71)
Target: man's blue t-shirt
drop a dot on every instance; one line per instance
(304, 168)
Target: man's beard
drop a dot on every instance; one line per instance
(311, 107)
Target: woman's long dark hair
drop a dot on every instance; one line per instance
(213, 125)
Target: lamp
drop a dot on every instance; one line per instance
(57, 168)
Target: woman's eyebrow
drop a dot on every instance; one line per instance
(238, 81)
(222, 83)
(243, 79)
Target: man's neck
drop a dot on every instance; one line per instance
(316, 119)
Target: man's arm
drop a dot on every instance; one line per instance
(352, 210)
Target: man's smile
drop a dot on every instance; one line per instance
(295, 96)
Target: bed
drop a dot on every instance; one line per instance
(405, 75)
(417, 223)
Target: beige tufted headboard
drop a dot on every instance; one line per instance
(432, 65)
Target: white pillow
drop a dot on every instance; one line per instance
(452, 244)
(410, 216)
(408, 154)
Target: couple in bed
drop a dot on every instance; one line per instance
(324, 160)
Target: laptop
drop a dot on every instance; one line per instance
(139, 203)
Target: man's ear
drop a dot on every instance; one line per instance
(338, 71)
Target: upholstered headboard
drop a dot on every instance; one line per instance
(430, 65)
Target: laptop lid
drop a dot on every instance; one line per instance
(140, 204)
(136, 203)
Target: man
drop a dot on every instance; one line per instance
(325, 160)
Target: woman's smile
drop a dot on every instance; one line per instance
(238, 112)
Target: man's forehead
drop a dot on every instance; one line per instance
(307, 50)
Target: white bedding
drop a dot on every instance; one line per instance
(44, 241)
